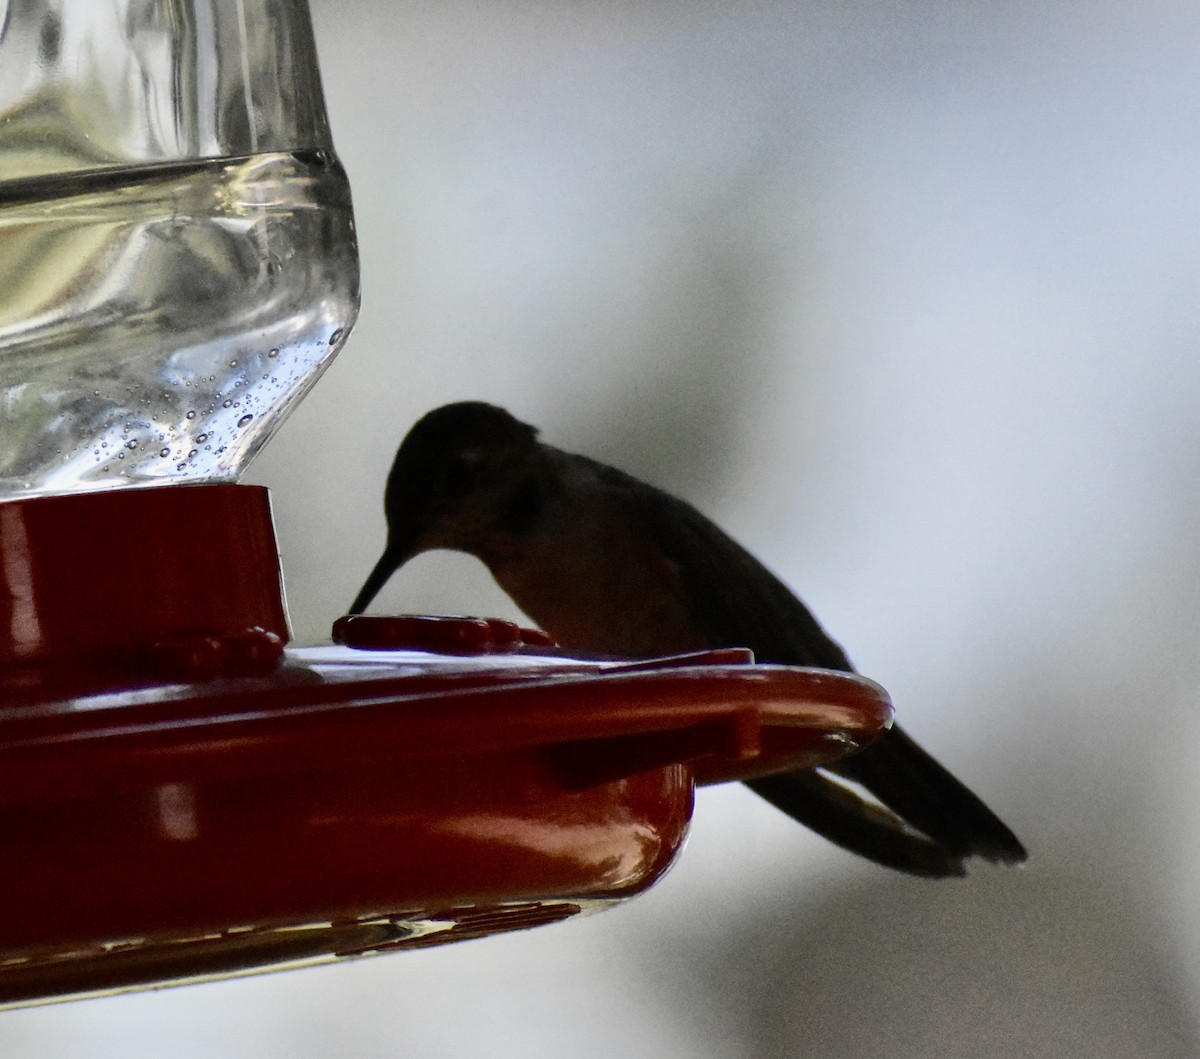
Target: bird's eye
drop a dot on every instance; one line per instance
(459, 473)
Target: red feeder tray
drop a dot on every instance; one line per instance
(184, 797)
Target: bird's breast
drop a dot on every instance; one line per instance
(595, 585)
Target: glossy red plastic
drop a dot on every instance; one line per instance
(100, 576)
(197, 799)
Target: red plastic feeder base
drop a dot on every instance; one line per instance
(183, 797)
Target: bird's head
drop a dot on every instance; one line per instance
(466, 475)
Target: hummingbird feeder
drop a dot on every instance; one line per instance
(184, 794)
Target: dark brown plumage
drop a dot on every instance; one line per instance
(608, 564)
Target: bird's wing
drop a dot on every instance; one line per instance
(733, 599)
(915, 815)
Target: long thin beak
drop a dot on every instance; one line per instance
(384, 569)
(391, 561)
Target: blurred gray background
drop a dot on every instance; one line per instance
(907, 296)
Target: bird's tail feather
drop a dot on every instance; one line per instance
(922, 793)
(918, 818)
(844, 817)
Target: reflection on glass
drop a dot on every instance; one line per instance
(177, 253)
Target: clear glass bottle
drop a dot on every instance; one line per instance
(177, 253)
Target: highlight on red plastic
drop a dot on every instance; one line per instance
(106, 575)
(184, 796)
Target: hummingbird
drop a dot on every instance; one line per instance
(607, 564)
